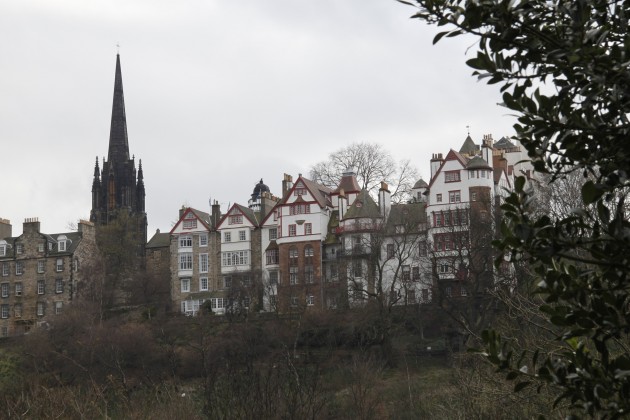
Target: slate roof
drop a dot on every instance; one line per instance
(159, 240)
(420, 184)
(504, 143)
(477, 163)
(469, 147)
(72, 243)
(363, 206)
(348, 183)
(320, 192)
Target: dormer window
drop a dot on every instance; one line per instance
(62, 243)
(190, 222)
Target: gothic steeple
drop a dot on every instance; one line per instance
(118, 143)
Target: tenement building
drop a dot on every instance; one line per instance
(41, 273)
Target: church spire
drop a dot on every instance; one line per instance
(118, 144)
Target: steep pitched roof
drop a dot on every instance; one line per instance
(469, 147)
(477, 163)
(245, 211)
(118, 143)
(319, 192)
(363, 206)
(420, 184)
(504, 143)
(348, 183)
(200, 215)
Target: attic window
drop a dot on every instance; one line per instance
(190, 223)
(190, 216)
(300, 191)
(235, 220)
(452, 176)
(62, 243)
(359, 204)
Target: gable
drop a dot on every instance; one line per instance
(191, 221)
(237, 216)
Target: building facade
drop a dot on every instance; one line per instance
(40, 274)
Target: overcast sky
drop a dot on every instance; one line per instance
(218, 94)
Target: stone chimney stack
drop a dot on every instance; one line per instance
(436, 162)
(216, 213)
(287, 184)
(87, 229)
(31, 225)
(384, 200)
(486, 149)
(6, 230)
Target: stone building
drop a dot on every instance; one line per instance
(41, 273)
(118, 186)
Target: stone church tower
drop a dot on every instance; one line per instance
(118, 186)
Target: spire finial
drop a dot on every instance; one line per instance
(468, 129)
(118, 48)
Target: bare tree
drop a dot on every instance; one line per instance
(372, 164)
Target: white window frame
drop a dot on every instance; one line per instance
(292, 230)
(41, 266)
(232, 258)
(185, 241)
(5, 311)
(41, 309)
(61, 246)
(19, 268)
(274, 277)
(203, 284)
(19, 248)
(308, 228)
(58, 307)
(58, 285)
(41, 287)
(59, 265)
(242, 235)
(273, 234)
(6, 269)
(186, 261)
(18, 289)
(203, 263)
(4, 287)
(272, 257)
(185, 285)
(3, 250)
(203, 239)
(227, 237)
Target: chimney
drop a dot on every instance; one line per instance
(182, 211)
(436, 162)
(87, 229)
(216, 213)
(31, 225)
(384, 199)
(287, 184)
(6, 229)
(342, 203)
(486, 149)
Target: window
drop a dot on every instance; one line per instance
(406, 273)
(422, 249)
(483, 174)
(185, 241)
(308, 228)
(293, 275)
(292, 230)
(300, 191)
(309, 276)
(463, 291)
(438, 198)
(59, 286)
(227, 237)
(191, 307)
(19, 248)
(185, 285)
(438, 219)
(454, 197)
(58, 307)
(448, 291)
(17, 310)
(357, 268)
(415, 273)
(227, 282)
(310, 300)
(4, 331)
(411, 296)
(300, 209)
(218, 303)
(293, 256)
(294, 301)
(273, 256)
(273, 234)
(61, 245)
(190, 223)
(41, 287)
(5, 269)
(40, 309)
(186, 261)
(203, 284)
(235, 258)
(390, 251)
(444, 268)
(3, 250)
(242, 236)
(451, 176)
(246, 281)
(5, 311)
(18, 289)
(273, 278)
(4, 287)
(235, 220)
(19, 268)
(308, 251)
(425, 295)
(41, 266)
(203, 263)
(59, 264)
(203, 239)
(40, 248)
(473, 196)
